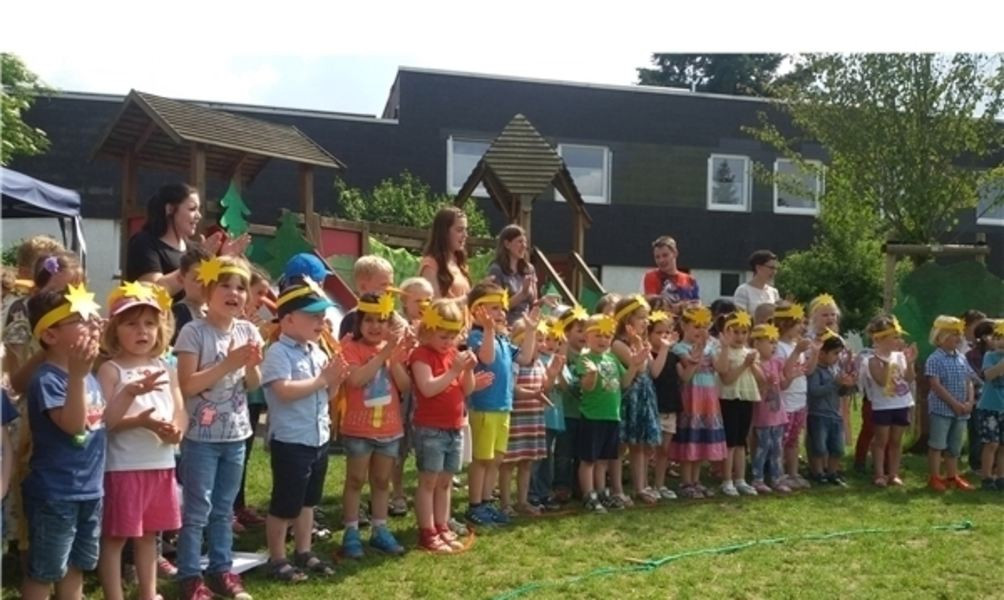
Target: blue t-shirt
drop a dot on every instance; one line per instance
(9, 410)
(498, 396)
(63, 466)
(993, 389)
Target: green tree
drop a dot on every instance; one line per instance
(288, 241)
(736, 74)
(404, 200)
(18, 91)
(235, 212)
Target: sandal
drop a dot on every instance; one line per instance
(309, 562)
(281, 570)
(881, 482)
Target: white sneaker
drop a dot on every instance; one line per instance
(729, 489)
(802, 482)
(745, 488)
(666, 494)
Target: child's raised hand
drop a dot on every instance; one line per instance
(483, 380)
(639, 357)
(559, 361)
(465, 361)
(589, 366)
(83, 353)
(237, 357)
(845, 379)
(532, 317)
(166, 431)
(483, 319)
(255, 356)
(803, 345)
(751, 359)
(236, 246)
(541, 396)
(213, 243)
(144, 385)
(335, 371)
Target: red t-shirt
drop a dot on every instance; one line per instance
(677, 287)
(374, 410)
(446, 409)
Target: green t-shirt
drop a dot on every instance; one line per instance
(603, 402)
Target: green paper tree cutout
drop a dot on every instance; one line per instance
(234, 218)
(287, 242)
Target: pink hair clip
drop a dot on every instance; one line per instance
(51, 264)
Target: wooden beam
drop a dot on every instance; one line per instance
(144, 137)
(553, 275)
(130, 177)
(236, 175)
(930, 250)
(312, 222)
(197, 167)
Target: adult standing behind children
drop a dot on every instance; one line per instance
(444, 260)
(758, 290)
(513, 272)
(666, 279)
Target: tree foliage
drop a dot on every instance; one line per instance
(20, 86)
(736, 74)
(404, 200)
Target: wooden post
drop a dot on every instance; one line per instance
(523, 211)
(889, 289)
(197, 165)
(311, 222)
(129, 193)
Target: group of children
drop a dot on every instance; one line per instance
(118, 415)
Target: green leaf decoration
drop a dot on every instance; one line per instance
(235, 212)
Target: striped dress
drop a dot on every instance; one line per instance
(527, 430)
(700, 433)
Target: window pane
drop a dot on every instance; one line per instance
(466, 154)
(728, 180)
(727, 283)
(586, 166)
(795, 188)
(991, 204)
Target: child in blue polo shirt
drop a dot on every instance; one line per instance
(297, 378)
(490, 407)
(991, 412)
(63, 492)
(949, 403)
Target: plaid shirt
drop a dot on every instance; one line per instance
(953, 371)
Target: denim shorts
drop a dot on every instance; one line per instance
(826, 435)
(437, 450)
(356, 446)
(63, 533)
(946, 434)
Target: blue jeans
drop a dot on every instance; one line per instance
(210, 475)
(543, 470)
(768, 453)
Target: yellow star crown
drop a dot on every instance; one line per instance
(78, 300)
(498, 297)
(699, 316)
(164, 299)
(948, 323)
(765, 331)
(603, 324)
(821, 301)
(137, 290)
(431, 319)
(740, 318)
(383, 307)
(999, 327)
(542, 330)
(828, 334)
(658, 316)
(795, 311)
(894, 329)
(577, 313)
(210, 270)
(637, 301)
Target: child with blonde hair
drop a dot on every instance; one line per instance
(739, 377)
(769, 418)
(887, 377)
(950, 402)
(799, 360)
(662, 337)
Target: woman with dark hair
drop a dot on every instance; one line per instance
(512, 271)
(172, 219)
(444, 262)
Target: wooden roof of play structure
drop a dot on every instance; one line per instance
(517, 167)
(158, 132)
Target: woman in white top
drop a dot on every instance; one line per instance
(758, 290)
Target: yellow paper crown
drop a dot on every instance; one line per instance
(78, 300)
(431, 319)
(542, 330)
(821, 301)
(765, 331)
(999, 327)
(383, 307)
(795, 311)
(576, 313)
(144, 292)
(947, 323)
(211, 269)
(658, 316)
(828, 334)
(498, 297)
(699, 316)
(894, 329)
(740, 318)
(297, 291)
(603, 324)
(637, 301)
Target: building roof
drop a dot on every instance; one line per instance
(160, 131)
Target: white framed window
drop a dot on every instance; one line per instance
(729, 182)
(990, 208)
(462, 155)
(590, 169)
(797, 190)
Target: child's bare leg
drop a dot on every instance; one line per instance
(356, 474)
(951, 466)
(110, 567)
(616, 469)
(71, 586)
(397, 479)
(381, 467)
(476, 481)
(505, 483)
(895, 450)
(427, 487)
(661, 465)
(523, 471)
(303, 528)
(934, 462)
(145, 557)
(443, 498)
(816, 464)
(586, 479)
(600, 473)
(791, 461)
(880, 439)
(739, 463)
(999, 465)
(34, 590)
(835, 464)
(639, 468)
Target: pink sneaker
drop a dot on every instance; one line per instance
(761, 487)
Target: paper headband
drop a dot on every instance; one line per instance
(431, 319)
(765, 331)
(135, 293)
(952, 324)
(78, 301)
(542, 330)
(739, 319)
(211, 269)
(795, 311)
(383, 307)
(309, 287)
(637, 301)
(658, 316)
(820, 301)
(999, 327)
(699, 316)
(576, 313)
(496, 298)
(828, 334)
(603, 324)
(894, 329)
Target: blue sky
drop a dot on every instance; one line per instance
(343, 56)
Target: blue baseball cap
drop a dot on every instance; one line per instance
(306, 263)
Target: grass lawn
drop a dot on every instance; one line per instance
(916, 562)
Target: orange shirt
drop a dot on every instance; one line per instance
(374, 410)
